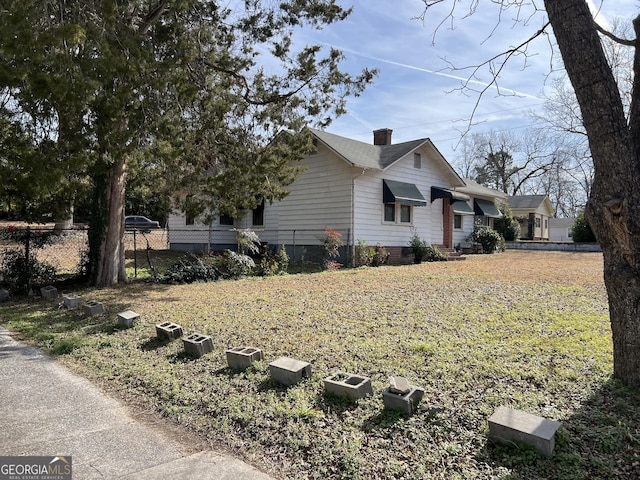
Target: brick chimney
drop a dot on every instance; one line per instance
(382, 136)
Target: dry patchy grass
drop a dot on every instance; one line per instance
(524, 329)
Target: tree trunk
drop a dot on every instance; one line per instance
(111, 266)
(64, 223)
(613, 209)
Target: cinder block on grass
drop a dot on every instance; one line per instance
(71, 301)
(49, 292)
(127, 318)
(288, 371)
(348, 385)
(4, 295)
(240, 358)
(92, 307)
(168, 331)
(400, 395)
(508, 425)
(197, 345)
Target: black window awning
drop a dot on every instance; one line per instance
(401, 192)
(486, 208)
(439, 192)
(462, 208)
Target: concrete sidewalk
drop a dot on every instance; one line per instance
(47, 410)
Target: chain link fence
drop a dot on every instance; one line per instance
(302, 245)
(33, 257)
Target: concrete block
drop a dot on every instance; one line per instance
(399, 385)
(348, 385)
(168, 331)
(288, 371)
(71, 301)
(508, 425)
(4, 295)
(197, 345)
(92, 307)
(49, 292)
(407, 402)
(128, 318)
(240, 358)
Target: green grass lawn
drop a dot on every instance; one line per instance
(528, 330)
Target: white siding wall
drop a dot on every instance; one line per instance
(180, 232)
(460, 235)
(427, 221)
(319, 198)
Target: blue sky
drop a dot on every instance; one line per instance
(410, 95)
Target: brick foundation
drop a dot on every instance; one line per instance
(399, 255)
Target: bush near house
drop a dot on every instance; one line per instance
(488, 238)
(369, 256)
(507, 225)
(425, 252)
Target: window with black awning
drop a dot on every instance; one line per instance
(440, 192)
(486, 208)
(402, 193)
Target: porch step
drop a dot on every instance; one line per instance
(452, 255)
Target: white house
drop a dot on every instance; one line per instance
(379, 193)
(560, 229)
(533, 212)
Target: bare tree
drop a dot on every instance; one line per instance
(613, 131)
(506, 161)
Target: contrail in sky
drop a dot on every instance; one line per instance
(435, 72)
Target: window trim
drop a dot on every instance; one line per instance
(397, 214)
(403, 206)
(384, 212)
(417, 160)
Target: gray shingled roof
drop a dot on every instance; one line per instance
(525, 201)
(474, 188)
(365, 155)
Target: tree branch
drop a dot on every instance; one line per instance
(495, 73)
(274, 98)
(615, 38)
(153, 16)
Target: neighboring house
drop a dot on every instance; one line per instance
(379, 193)
(560, 229)
(533, 212)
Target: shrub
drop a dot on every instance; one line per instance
(581, 230)
(423, 251)
(371, 256)
(17, 273)
(507, 226)
(188, 269)
(434, 254)
(488, 238)
(380, 257)
(248, 241)
(274, 263)
(237, 265)
(331, 243)
(365, 253)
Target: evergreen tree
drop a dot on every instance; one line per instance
(581, 230)
(97, 83)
